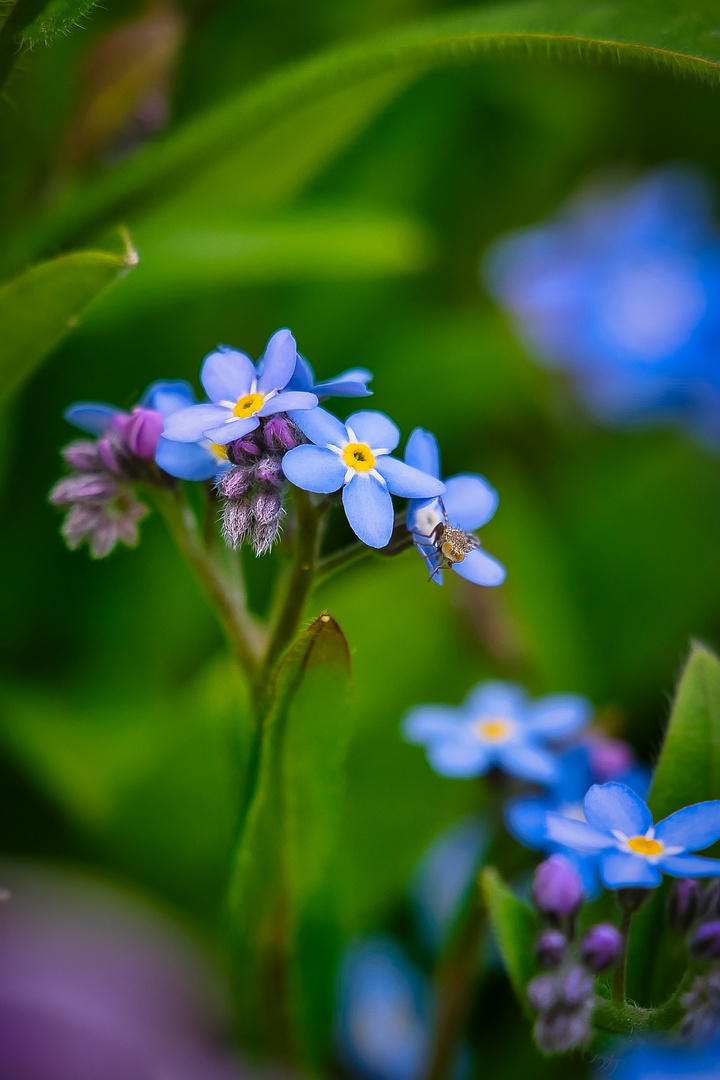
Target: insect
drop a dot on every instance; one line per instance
(449, 544)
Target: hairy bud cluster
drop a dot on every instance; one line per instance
(564, 1002)
(252, 489)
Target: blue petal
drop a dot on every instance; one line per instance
(458, 758)
(227, 433)
(481, 568)
(690, 866)
(189, 425)
(423, 453)
(526, 820)
(405, 481)
(186, 461)
(303, 376)
(374, 428)
(495, 698)
(620, 871)
(350, 383)
(469, 501)
(91, 416)
(168, 396)
(227, 374)
(427, 722)
(313, 468)
(614, 806)
(278, 362)
(693, 828)
(529, 763)
(557, 715)
(293, 399)
(577, 835)
(321, 427)
(369, 510)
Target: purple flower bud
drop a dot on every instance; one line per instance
(267, 507)
(269, 471)
(550, 949)
(83, 455)
(280, 433)
(543, 992)
(683, 904)
(601, 947)
(557, 888)
(237, 521)
(241, 450)
(236, 482)
(83, 487)
(576, 986)
(704, 943)
(141, 432)
(108, 451)
(609, 758)
(562, 1030)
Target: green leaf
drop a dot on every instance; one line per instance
(41, 306)
(269, 140)
(515, 926)
(58, 18)
(689, 767)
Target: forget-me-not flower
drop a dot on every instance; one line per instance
(643, 1060)
(350, 383)
(202, 460)
(619, 827)
(468, 501)
(497, 726)
(355, 456)
(240, 393)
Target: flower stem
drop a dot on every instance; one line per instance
(618, 986)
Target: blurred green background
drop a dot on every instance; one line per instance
(121, 716)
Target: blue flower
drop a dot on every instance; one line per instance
(619, 827)
(444, 876)
(355, 456)
(622, 289)
(240, 393)
(497, 726)
(202, 460)
(666, 1061)
(468, 501)
(350, 383)
(384, 1013)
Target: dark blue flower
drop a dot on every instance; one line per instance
(355, 456)
(619, 827)
(666, 1061)
(468, 501)
(350, 383)
(497, 726)
(240, 393)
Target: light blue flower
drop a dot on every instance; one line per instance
(619, 827)
(355, 456)
(497, 726)
(384, 1013)
(240, 393)
(350, 383)
(202, 460)
(468, 501)
(444, 877)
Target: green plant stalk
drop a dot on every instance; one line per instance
(618, 985)
(24, 12)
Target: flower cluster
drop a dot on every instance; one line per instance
(261, 426)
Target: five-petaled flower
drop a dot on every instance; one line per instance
(634, 852)
(467, 503)
(355, 456)
(240, 393)
(497, 726)
(350, 383)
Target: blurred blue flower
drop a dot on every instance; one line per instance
(597, 759)
(350, 383)
(622, 289)
(497, 726)
(240, 393)
(384, 1013)
(354, 456)
(619, 827)
(444, 876)
(468, 501)
(640, 1060)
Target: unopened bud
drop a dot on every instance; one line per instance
(576, 986)
(237, 520)
(267, 507)
(609, 758)
(236, 482)
(141, 432)
(683, 904)
(269, 471)
(109, 454)
(242, 451)
(543, 992)
(557, 887)
(83, 455)
(83, 487)
(601, 947)
(561, 1030)
(280, 433)
(704, 943)
(550, 949)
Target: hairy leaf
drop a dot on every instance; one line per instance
(515, 926)
(58, 18)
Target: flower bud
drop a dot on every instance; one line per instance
(543, 992)
(83, 487)
(141, 432)
(550, 949)
(241, 451)
(236, 482)
(557, 887)
(267, 506)
(576, 986)
(280, 433)
(704, 943)
(562, 1030)
(269, 471)
(83, 455)
(601, 947)
(683, 904)
(108, 451)
(609, 758)
(237, 520)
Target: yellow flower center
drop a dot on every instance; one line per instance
(219, 450)
(641, 845)
(358, 456)
(248, 405)
(493, 730)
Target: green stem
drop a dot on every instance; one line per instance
(21, 16)
(618, 986)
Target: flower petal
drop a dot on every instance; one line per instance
(529, 763)
(620, 871)
(469, 501)
(293, 399)
(690, 866)
(693, 828)
(558, 715)
(321, 427)
(186, 461)
(227, 374)
(481, 568)
(369, 509)
(405, 481)
(168, 396)
(526, 820)
(313, 468)
(495, 698)
(423, 452)
(614, 806)
(189, 425)
(350, 383)
(577, 835)
(278, 362)
(91, 416)
(427, 722)
(303, 376)
(458, 758)
(227, 433)
(374, 428)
